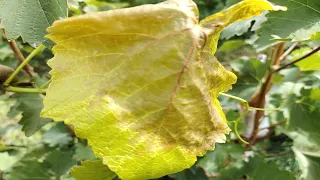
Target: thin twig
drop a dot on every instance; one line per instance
(288, 51)
(19, 55)
(298, 60)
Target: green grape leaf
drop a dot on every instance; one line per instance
(29, 167)
(313, 166)
(227, 164)
(250, 73)
(29, 19)
(33, 170)
(241, 27)
(307, 151)
(304, 141)
(214, 162)
(193, 173)
(233, 172)
(30, 105)
(300, 22)
(303, 114)
(58, 135)
(83, 152)
(310, 63)
(42, 163)
(231, 45)
(93, 170)
(59, 162)
(144, 93)
(258, 169)
(233, 50)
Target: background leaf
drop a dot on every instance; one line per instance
(260, 170)
(58, 135)
(307, 152)
(223, 158)
(29, 19)
(42, 163)
(241, 27)
(30, 105)
(300, 22)
(250, 73)
(304, 113)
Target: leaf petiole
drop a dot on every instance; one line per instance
(236, 122)
(247, 108)
(25, 90)
(21, 66)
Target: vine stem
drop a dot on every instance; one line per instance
(25, 90)
(259, 99)
(14, 74)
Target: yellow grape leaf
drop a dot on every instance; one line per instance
(214, 24)
(141, 85)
